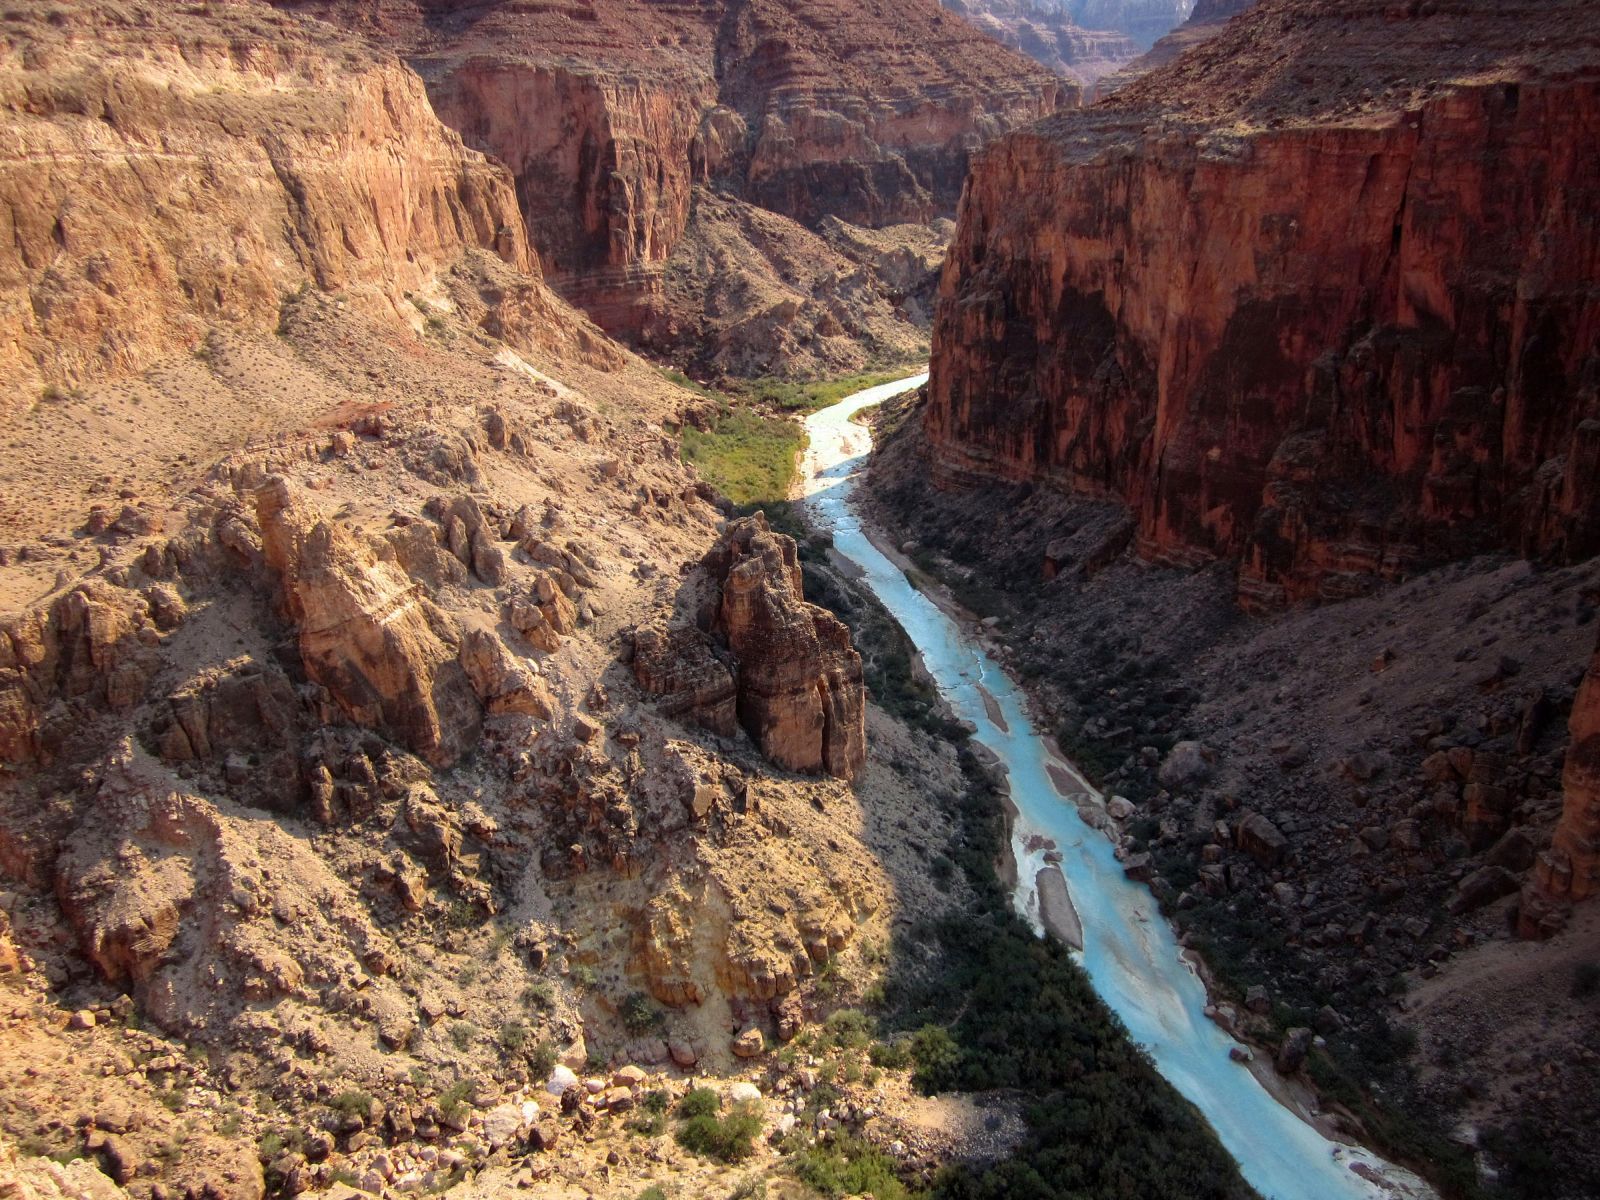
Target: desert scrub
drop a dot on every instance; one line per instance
(641, 1015)
(650, 1119)
(809, 397)
(848, 1166)
(727, 1138)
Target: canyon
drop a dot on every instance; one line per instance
(417, 777)
(1280, 364)
(633, 136)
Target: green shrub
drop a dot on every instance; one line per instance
(454, 1099)
(540, 995)
(650, 1119)
(729, 1139)
(640, 1014)
(513, 1036)
(700, 1102)
(542, 1059)
(848, 1166)
(357, 1104)
(462, 1034)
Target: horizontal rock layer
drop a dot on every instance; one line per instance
(823, 108)
(159, 179)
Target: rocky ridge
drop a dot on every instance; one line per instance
(1044, 31)
(1205, 21)
(331, 817)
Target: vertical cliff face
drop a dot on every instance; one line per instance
(800, 692)
(609, 113)
(1329, 330)
(133, 216)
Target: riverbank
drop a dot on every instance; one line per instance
(1127, 940)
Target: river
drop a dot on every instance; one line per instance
(1129, 950)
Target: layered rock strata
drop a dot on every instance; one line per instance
(1205, 21)
(789, 674)
(1045, 32)
(811, 110)
(136, 216)
(1331, 324)
(800, 697)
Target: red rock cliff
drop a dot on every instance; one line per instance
(608, 112)
(1570, 869)
(1329, 319)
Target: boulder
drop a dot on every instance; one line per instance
(1484, 886)
(1292, 1051)
(1260, 839)
(1184, 767)
(749, 1043)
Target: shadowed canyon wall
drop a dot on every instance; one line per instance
(1331, 321)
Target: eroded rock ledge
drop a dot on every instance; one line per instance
(794, 681)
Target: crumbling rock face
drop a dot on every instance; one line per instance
(385, 653)
(1333, 333)
(1570, 870)
(800, 692)
(88, 650)
(349, 180)
(795, 681)
(679, 664)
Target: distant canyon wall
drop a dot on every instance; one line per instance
(812, 110)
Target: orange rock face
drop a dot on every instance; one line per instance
(800, 694)
(1329, 330)
(136, 215)
(384, 652)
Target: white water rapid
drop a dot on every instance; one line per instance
(1129, 951)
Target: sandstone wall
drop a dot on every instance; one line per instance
(202, 171)
(1333, 348)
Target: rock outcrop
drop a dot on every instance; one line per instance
(1331, 321)
(137, 216)
(821, 108)
(386, 653)
(1205, 22)
(1569, 870)
(800, 693)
